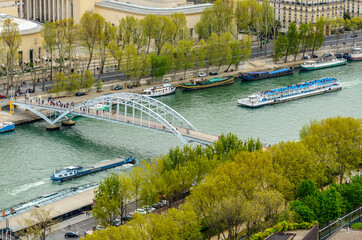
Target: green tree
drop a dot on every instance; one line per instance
(292, 37)
(144, 65)
(71, 38)
(99, 84)
(106, 37)
(225, 54)
(212, 50)
(60, 41)
(308, 37)
(318, 35)
(280, 47)
(168, 51)
(137, 177)
(187, 49)
(149, 28)
(74, 82)
(269, 21)
(10, 36)
(337, 143)
(129, 65)
(181, 31)
(59, 84)
(91, 26)
(39, 223)
(48, 33)
(158, 66)
(88, 80)
(200, 55)
(306, 188)
(163, 32)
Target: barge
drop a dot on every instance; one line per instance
(207, 83)
(288, 93)
(330, 61)
(78, 171)
(252, 76)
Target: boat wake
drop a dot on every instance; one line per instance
(27, 186)
(351, 83)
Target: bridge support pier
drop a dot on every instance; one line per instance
(68, 123)
(52, 127)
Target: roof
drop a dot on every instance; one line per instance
(281, 236)
(25, 26)
(131, 8)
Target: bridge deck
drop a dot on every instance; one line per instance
(189, 134)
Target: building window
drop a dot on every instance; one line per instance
(191, 32)
(31, 55)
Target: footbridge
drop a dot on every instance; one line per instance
(124, 108)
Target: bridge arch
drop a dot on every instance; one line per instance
(124, 108)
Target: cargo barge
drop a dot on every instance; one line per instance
(78, 171)
(252, 76)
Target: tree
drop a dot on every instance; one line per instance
(99, 84)
(292, 37)
(225, 56)
(212, 50)
(337, 143)
(136, 176)
(144, 65)
(168, 51)
(280, 46)
(74, 82)
(39, 223)
(318, 35)
(163, 32)
(59, 84)
(269, 20)
(308, 37)
(216, 19)
(88, 80)
(149, 28)
(158, 66)
(129, 65)
(181, 31)
(60, 41)
(200, 55)
(71, 37)
(186, 48)
(107, 35)
(48, 33)
(338, 25)
(91, 26)
(302, 38)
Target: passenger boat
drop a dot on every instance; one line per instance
(207, 83)
(328, 62)
(78, 171)
(7, 127)
(356, 54)
(252, 76)
(158, 91)
(284, 94)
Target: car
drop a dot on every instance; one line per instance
(128, 217)
(116, 222)
(2, 96)
(354, 35)
(29, 90)
(202, 74)
(166, 81)
(148, 208)
(118, 87)
(51, 99)
(99, 227)
(213, 73)
(314, 56)
(78, 94)
(159, 205)
(141, 211)
(71, 235)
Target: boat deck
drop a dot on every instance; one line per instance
(108, 162)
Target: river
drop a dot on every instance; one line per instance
(30, 153)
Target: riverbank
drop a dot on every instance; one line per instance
(22, 116)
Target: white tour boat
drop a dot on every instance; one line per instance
(356, 54)
(288, 93)
(158, 91)
(331, 61)
(6, 127)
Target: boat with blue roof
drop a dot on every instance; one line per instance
(79, 171)
(7, 127)
(252, 76)
(288, 93)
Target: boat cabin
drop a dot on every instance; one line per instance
(254, 98)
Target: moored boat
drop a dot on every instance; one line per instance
(288, 93)
(207, 83)
(158, 91)
(7, 127)
(356, 54)
(328, 62)
(252, 76)
(78, 171)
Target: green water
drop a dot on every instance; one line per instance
(29, 154)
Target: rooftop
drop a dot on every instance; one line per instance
(25, 26)
(131, 8)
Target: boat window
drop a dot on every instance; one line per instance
(60, 175)
(65, 174)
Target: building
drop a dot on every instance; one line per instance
(353, 8)
(305, 11)
(31, 47)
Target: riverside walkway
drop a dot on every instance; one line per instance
(125, 108)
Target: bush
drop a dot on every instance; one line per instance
(357, 226)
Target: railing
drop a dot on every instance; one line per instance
(345, 221)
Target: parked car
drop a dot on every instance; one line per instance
(118, 87)
(99, 227)
(127, 217)
(202, 74)
(148, 208)
(71, 235)
(314, 56)
(141, 211)
(159, 205)
(354, 35)
(116, 222)
(166, 80)
(213, 73)
(29, 90)
(2, 96)
(78, 94)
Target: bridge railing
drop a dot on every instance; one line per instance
(345, 221)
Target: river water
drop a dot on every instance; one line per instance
(30, 153)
